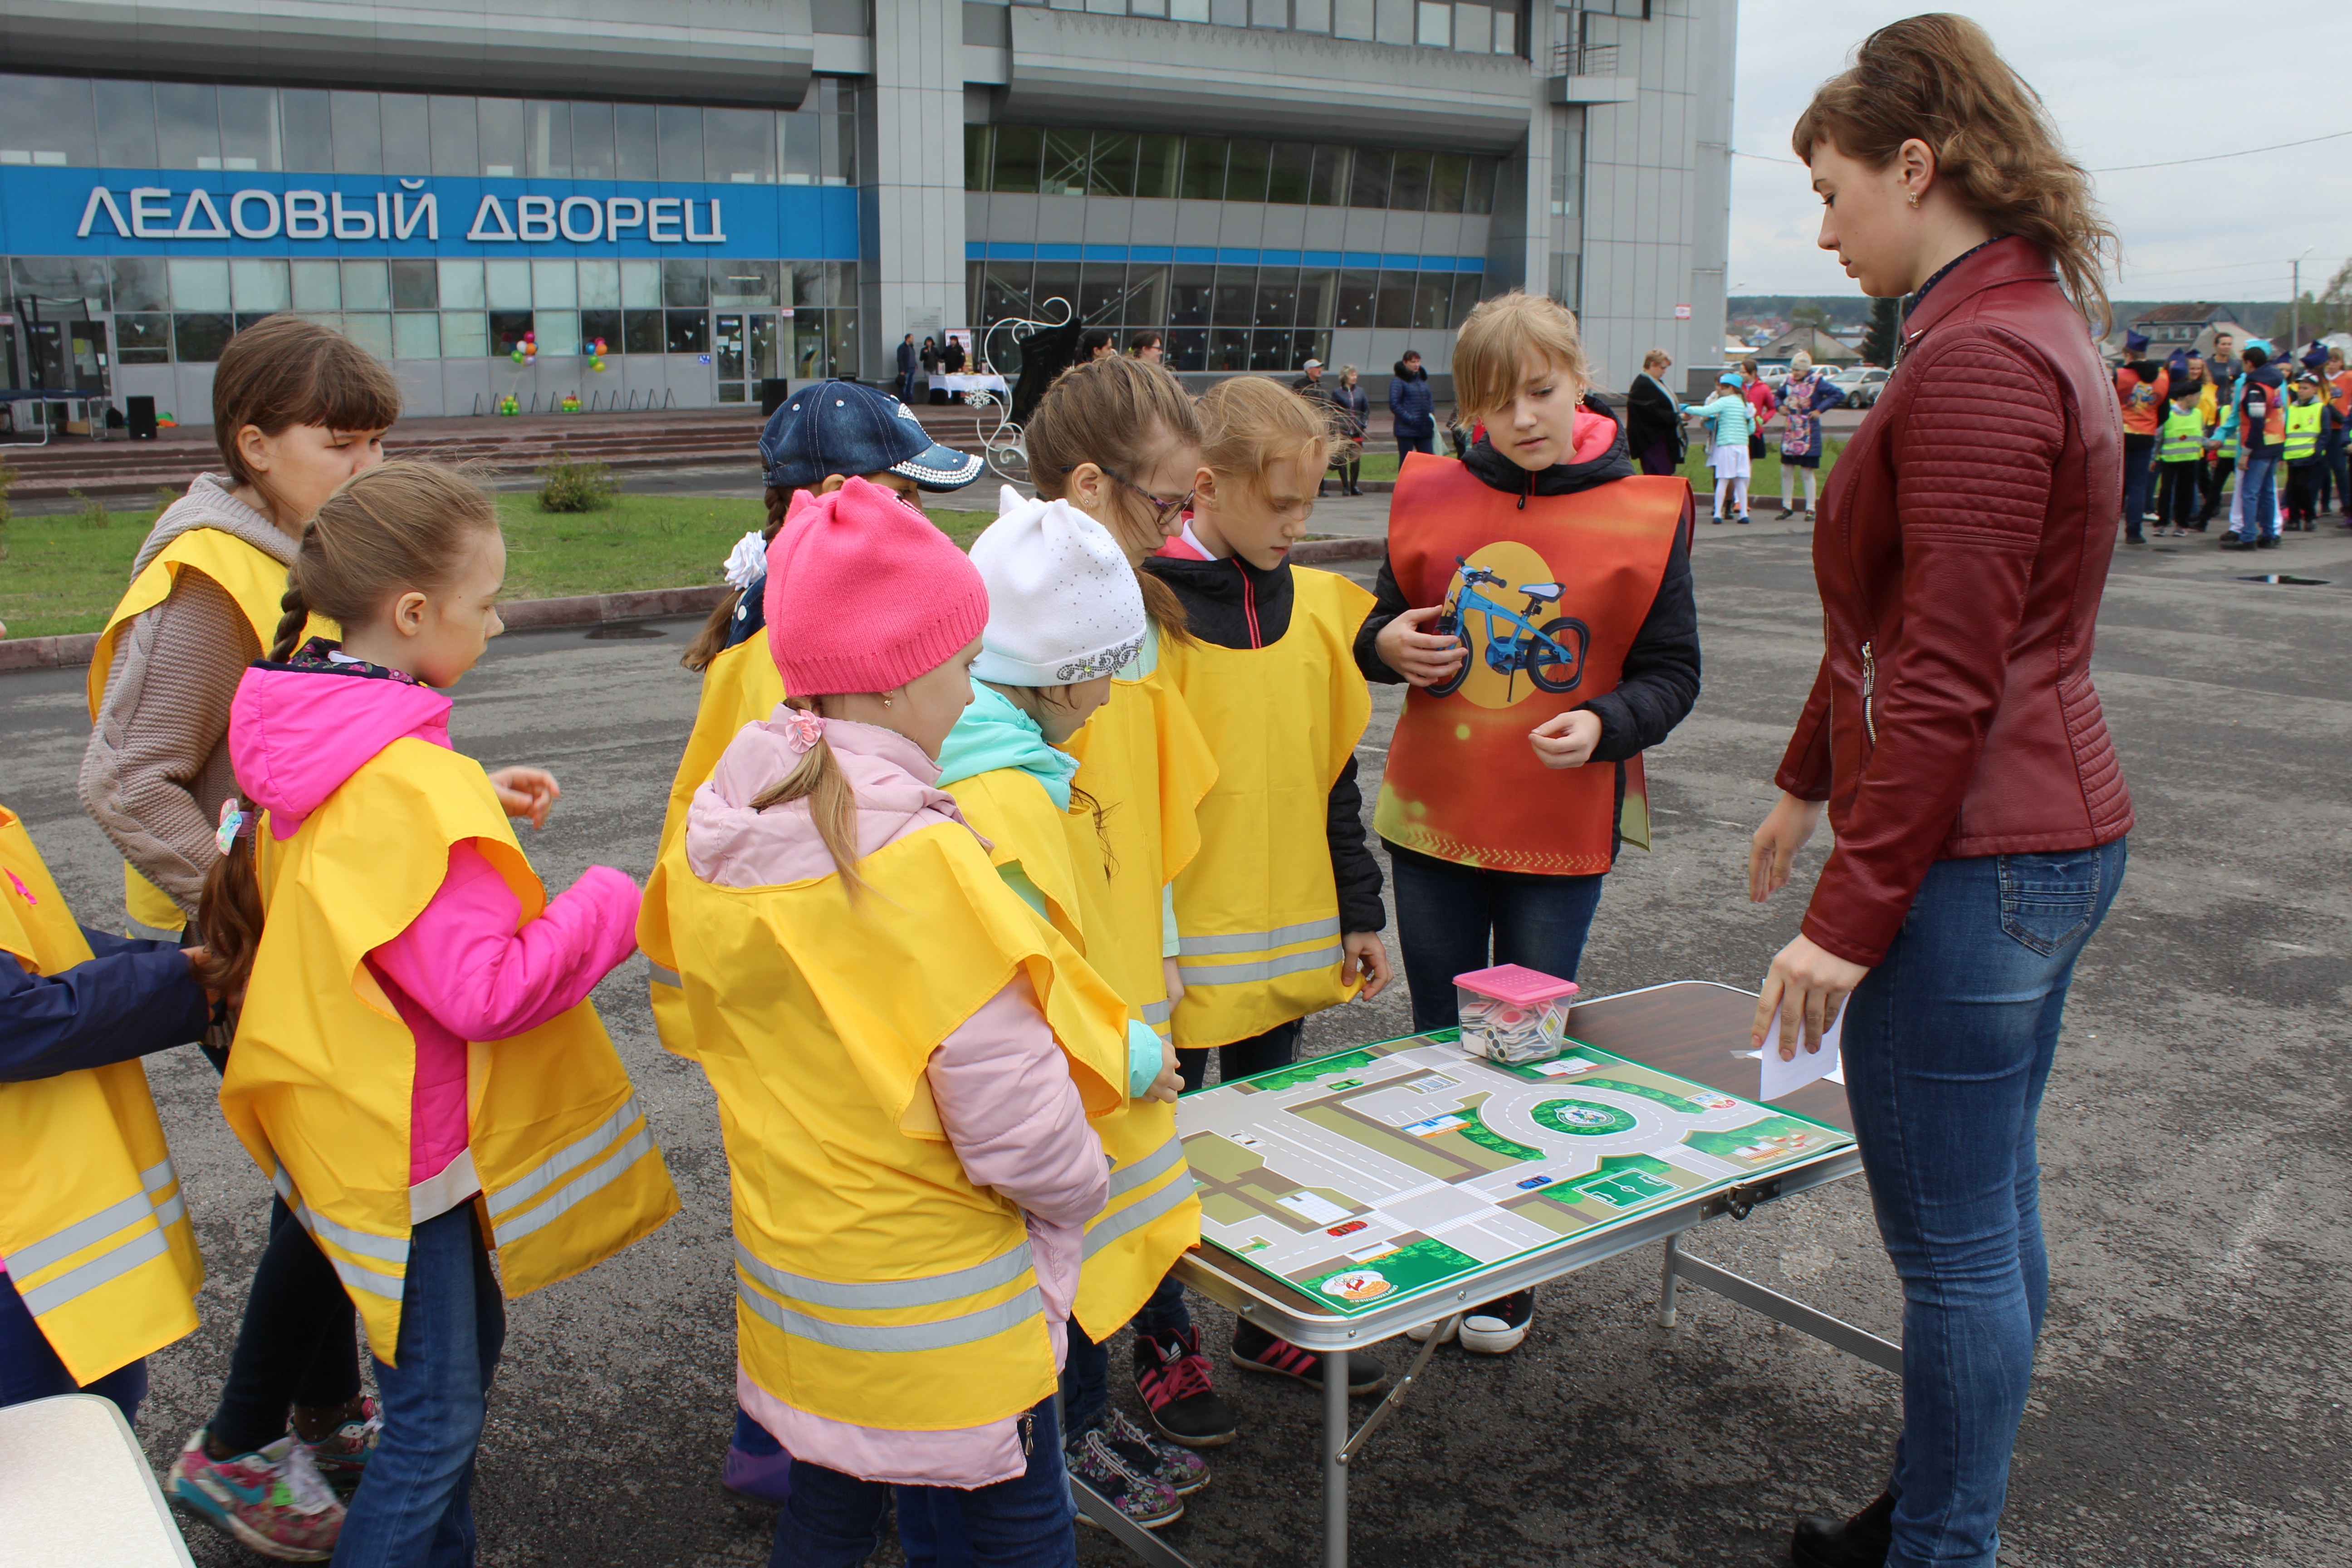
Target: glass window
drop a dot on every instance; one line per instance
(1188, 11)
(600, 285)
(1432, 301)
(1392, 21)
(1449, 180)
(742, 283)
(199, 283)
(306, 126)
(465, 334)
(976, 154)
(1473, 29)
(187, 125)
(1112, 172)
(1270, 352)
(1188, 347)
(1351, 18)
(591, 141)
(641, 286)
(319, 285)
(248, 128)
(46, 120)
(1306, 344)
(1055, 281)
(1466, 296)
(142, 340)
(1062, 170)
(679, 128)
(1147, 296)
(546, 139)
(461, 285)
(601, 325)
(841, 341)
(506, 327)
(1368, 185)
(687, 332)
(457, 147)
(1317, 293)
(1327, 185)
(559, 332)
(1289, 170)
(408, 137)
(1478, 195)
(803, 139)
(1229, 13)
(641, 331)
(1277, 297)
(1408, 186)
(506, 285)
(1269, 13)
(1102, 292)
(1229, 349)
(838, 152)
(1205, 169)
(500, 120)
(140, 283)
(1018, 147)
(63, 283)
(417, 334)
(258, 284)
(365, 287)
(359, 136)
(1394, 312)
(554, 284)
(1190, 289)
(415, 286)
(740, 146)
(1507, 32)
(1157, 156)
(371, 331)
(198, 339)
(686, 283)
(1235, 301)
(1432, 25)
(1245, 171)
(1004, 290)
(1313, 17)
(126, 132)
(1147, 8)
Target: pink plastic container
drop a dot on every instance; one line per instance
(1513, 1014)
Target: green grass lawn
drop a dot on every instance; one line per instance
(60, 574)
(1766, 480)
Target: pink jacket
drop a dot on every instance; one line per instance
(1002, 1088)
(463, 970)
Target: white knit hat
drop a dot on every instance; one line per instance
(1063, 604)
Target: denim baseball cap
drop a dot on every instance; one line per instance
(841, 428)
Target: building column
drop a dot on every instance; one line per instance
(910, 203)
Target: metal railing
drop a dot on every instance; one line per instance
(1584, 59)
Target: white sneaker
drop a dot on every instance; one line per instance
(1499, 1327)
(1444, 1328)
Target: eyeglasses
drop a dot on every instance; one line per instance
(1161, 511)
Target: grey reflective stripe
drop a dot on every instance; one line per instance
(1258, 940)
(578, 1187)
(170, 1211)
(664, 976)
(1156, 1012)
(82, 1233)
(384, 1285)
(564, 1161)
(1259, 968)
(1138, 1215)
(140, 932)
(144, 1247)
(945, 1333)
(158, 1176)
(1166, 1157)
(391, 1249)
(924, 1291)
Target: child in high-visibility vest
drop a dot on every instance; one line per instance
(416, 1034)
(98, 1263)
(2310, 426)
(1279, 915)
(2180, 448)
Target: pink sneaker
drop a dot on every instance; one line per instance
(271, 1502)
(342, 1456)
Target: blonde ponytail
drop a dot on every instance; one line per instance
(833, 803)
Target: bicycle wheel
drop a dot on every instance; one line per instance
(1556, 663)
(1450, 625)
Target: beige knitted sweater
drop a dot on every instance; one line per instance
(157, 766)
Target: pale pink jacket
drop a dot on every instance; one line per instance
(461, 971)
(1003, 1087)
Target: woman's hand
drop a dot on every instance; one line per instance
(1807, 987)
(1566, 740)
(1173, 974)
(1773, 850)
(527, 793)
(1421, 657)
(1365, 955)
(1171, 1082)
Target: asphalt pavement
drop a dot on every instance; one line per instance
(2189, 1406)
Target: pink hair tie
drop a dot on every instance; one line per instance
(802, 729)
(236, 822)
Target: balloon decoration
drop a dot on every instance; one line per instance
(526, 349)
(596, 356)
(570, 405)
(509, 404)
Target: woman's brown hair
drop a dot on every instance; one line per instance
(401, 525)
(1118, 414)
(287, 370)
(1938, 78)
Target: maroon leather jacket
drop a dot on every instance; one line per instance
(1964, 544)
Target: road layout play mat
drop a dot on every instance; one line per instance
(1361, 1177)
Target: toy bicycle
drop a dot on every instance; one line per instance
(1552, 655)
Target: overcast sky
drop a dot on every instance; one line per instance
(2137, 83)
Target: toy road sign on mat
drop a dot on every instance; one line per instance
(1361, 1177)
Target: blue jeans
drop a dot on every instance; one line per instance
(1450, 916)
(2138, 452)
(2258, 514)
(2336, 474)
(835, 1520)
(29, 1368)
(298, 1344)
(416, 1507)
(1947, 1046)
(1410, 444)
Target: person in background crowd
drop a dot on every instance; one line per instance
(2221, 365)
(930, 356)
(2259, 415)
(951, 357)
(1808, 391)
(1762, 404)
(1412, 408)
(1097, 343)
(1653, 423)
(1310, 380)
(2336, 455)
(2310, 422)
(2181, 455)
(2141, 389)
(909, 360)
(1150, 347)
(1354, 410)
(1728, 422)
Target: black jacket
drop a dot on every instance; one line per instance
(1661, 679)
(1650, 413)
(1232, 604)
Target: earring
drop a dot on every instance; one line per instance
(885, 702)
(1915, 198)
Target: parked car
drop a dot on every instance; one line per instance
(1351, 1229)
(1861, 384)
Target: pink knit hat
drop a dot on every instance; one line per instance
(863, 593)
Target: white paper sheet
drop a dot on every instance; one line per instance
(1778, 1077)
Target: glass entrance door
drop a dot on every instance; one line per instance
(762, 363)
(727, 352)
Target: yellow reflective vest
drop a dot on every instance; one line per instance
(92, 1229)
(740, 685)
(1259, 910)
(2303, 421)
(875, 1283)
(1151, 1217)
(257, 580)
(2181, 438)
(319, 1082)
